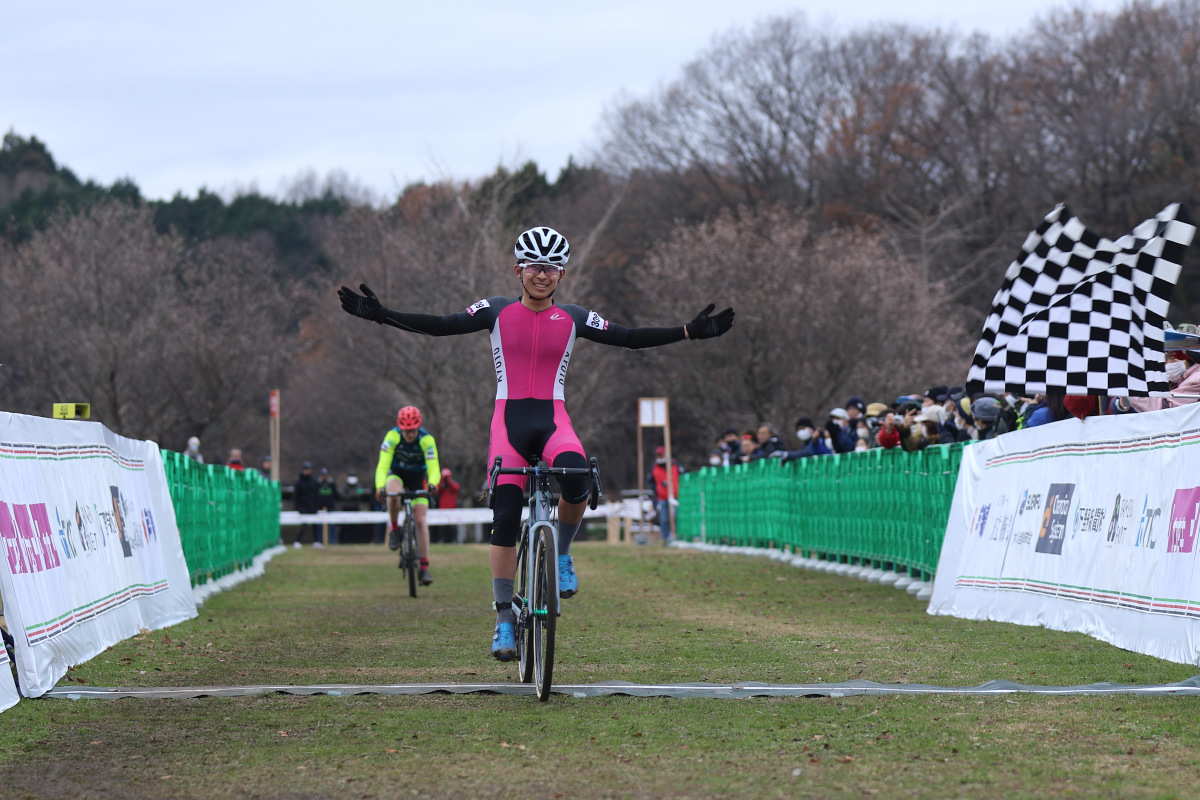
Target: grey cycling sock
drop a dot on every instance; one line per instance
(502, 591)
(566, 534)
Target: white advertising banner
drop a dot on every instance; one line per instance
(91, 551)
(8, 689)
(1085, 526)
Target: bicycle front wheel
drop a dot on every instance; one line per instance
(544, 609)
(411, 559)
(521, 611)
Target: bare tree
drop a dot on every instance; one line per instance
(162, 341)
(748, 116)
(821, 316)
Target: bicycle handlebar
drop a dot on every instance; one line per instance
(593, 471)
(411, 495)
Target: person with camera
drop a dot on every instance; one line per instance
(811, 444)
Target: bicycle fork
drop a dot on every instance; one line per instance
(551, 531)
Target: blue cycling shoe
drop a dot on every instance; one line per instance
(504, 642)
(568, 581)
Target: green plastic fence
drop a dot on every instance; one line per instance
(225, 517)
(884, 508)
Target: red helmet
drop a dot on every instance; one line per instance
(409, 417)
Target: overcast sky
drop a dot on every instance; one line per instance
(179, 95)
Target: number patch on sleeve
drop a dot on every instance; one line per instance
(482, 304)
(596, 321)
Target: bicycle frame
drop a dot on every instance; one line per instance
(542, 514)
(408, 560)
(535, 616)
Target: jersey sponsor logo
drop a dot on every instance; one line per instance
(596, 321)
(482, 304)
(557, 315)
(562, 368)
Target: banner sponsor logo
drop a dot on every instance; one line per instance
(1148, 525)
(28, 538)
(981, 516)
(1088, 520)
(1054, 518)
(1118, 526)
(994, 521)
(1185, 515)
(1027, 514)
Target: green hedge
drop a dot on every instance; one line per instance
(878, 507)
(225, 517)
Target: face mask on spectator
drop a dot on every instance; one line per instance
(714, 461)
(1175, 371)
(804, 435)
(864, 434)
(861, 445)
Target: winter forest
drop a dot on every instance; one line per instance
(856, 198)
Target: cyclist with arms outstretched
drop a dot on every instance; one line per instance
(408, 459)
(532, 339)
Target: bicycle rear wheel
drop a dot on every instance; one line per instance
(521, 609)
(410, 558)
(544, 609)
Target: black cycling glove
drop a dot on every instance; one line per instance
(366, 305)
(706, 327)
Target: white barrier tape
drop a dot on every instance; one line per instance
(435, 516)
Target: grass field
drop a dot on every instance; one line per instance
(643, 615)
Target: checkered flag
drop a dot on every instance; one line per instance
(1080, 314)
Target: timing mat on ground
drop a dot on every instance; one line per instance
(857, 688)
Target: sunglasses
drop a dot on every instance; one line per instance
(534, 269)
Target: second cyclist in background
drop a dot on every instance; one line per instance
(408, 459)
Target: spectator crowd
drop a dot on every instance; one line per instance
(944, 415)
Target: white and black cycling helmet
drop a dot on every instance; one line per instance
(544, 246)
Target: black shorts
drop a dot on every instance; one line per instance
(413, 481)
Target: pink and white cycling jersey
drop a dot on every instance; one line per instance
(531, 350)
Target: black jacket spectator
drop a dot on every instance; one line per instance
(765, 449)
(327, 493)
(304, 493)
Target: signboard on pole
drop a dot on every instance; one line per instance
(654, 412)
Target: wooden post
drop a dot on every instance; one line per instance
(274, 434)
(641, 473)
(671, 487)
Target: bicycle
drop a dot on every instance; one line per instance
(536, 595)
(410, 559)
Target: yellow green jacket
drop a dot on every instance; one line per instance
(401, 457)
